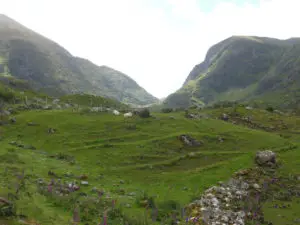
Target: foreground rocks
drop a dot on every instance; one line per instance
(234, 202)
(216, 206)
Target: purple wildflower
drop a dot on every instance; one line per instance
(105, 218)
(76, 217)
(50, 188)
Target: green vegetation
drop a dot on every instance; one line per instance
(244, 69)
(51, 69)
(70, 160)
(140, 162)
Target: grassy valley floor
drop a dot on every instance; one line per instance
(137, 162)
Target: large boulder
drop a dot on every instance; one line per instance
(188, 140)
(265, 158)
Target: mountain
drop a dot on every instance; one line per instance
(47, 66)
(244, 68)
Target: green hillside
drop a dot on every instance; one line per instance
(50, 68)
(137, 161)
(244, 68)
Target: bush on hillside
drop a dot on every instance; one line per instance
(180, 109)
(270, 109)
(144, 113)
(167, 110)
(6, 94)
(224, 104)
(193, 107)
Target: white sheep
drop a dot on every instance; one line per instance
(115, 112)
(129, 114)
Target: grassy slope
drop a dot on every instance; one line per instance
(50, 68)
(243, 69)
(145, 153)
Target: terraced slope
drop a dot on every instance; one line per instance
(137, 161)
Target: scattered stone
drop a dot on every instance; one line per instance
(220, 139)
(128, 205)
(191, 154)
(31, 147)
(84, 183)
(190, 116)
(40, 181)
(265, 158)
(122, 182)
(32, 124)
(51, 131)
(132, 194)
(186, 139)
(94, 189)
(256, 186)
(224, 117)
(69, 174)
(13, 143)
(13, 120)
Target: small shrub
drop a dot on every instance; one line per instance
(167, 110)
(270, 109)
(7, 210)
(131, 127)
(144, 113)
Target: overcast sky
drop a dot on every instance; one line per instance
(156, 42)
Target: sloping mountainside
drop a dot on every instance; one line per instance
(27, 55)
(243, 68)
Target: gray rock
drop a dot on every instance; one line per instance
(132, 194)
(186, 139)
(84, 183)
(94, 189)
(40, 181)
(55, 101)
(5, 113)
(264, 158)
(31, 124)
(256, 186)
(51, 130)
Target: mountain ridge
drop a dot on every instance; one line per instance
(243, 68)
(49, 67)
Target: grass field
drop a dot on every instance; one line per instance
(132, 159)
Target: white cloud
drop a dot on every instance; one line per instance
(157, 45)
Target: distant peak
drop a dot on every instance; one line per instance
(3, 16)
(7, 20)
